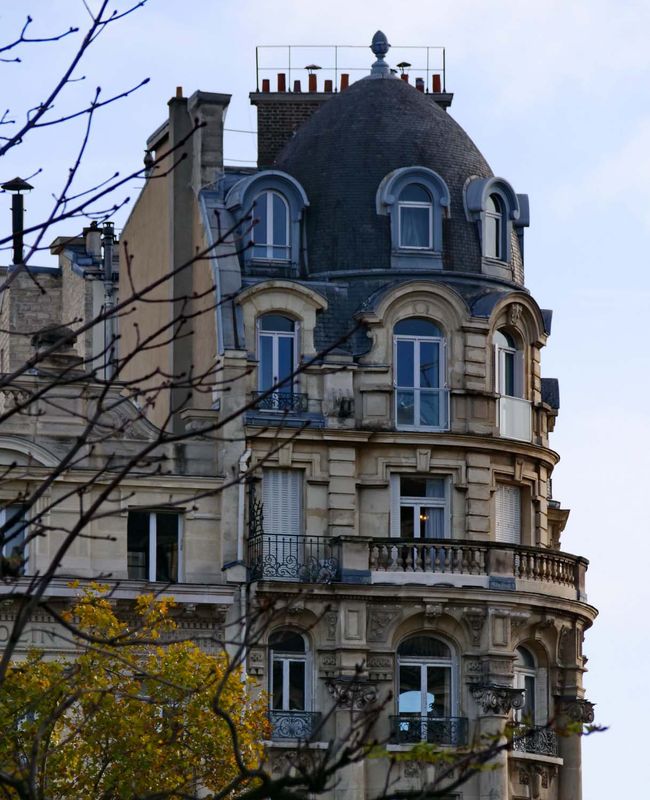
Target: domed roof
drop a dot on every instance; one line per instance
(341, 154)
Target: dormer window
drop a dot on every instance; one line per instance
(269, 206)
(270, 230)
(494, 228)
(415, 199)
(415, 218)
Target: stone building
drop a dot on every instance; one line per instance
(357, 308)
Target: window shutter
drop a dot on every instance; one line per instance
(497, 369)
(282, 496)
(508, 514)
(394, 506)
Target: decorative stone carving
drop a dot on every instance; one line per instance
(499, 700)
(475, 619)
(577, 709)
(515, 310)
(473, 670)
(433, 610)
(537, 776)
(331, 620)
(411, 769)
(380, 667)
(256, 661)
(379, 621)
(423, 460)
(328, 664)
(352, 693)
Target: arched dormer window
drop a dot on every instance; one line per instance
(269, 206)
(495, 207)
(419, 375)
(427, 694)
(290, 686)
(415, 199)
(270, 230)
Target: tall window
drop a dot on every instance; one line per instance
(494, 245)
(289, 673)
(415, 208)
(509, 378)
(277, 360)
(525, 678)
(270, 234)
(154, 546)
(420, 396)
(508, 514)
(14, 549)
(423, 508)
(282, 502)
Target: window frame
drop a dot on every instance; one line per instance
(286, 658)
(441, 389)
(152, 544)
(498, 217)
(502, 486)
(5, 550)
(501, 353)
(450, 663)
(521, 673)
(270, 245)
(288, 385)
(406, 204)
(400, 501)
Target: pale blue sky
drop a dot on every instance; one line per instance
(555, 94)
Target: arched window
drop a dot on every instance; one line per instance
(290, 686)
(494, 228)
(415, 208)
(419, 375)
(426, 696)
(270, 231)
(525, 678)
(508, 363)
(276, 343)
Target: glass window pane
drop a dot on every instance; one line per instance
(430, 408)
(276, 322)
(297, 685)
(167, 547)
(405, 408)
(259, 230)
(406, 519)
(509, 374)
(285, 360)
(439, 691)
(432, 523)
(436, 487)
(137, 535)
(278, 696)
(424, 647)
(528, 711)
(279, 220)
(414, 226)
(287, 642)
(429, 365)
(411, 486)
(410, 698)
(266, 363)
(417, 326)
(415, 192)
(281, 253)
(405, 363)
(491, 237)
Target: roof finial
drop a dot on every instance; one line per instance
(379, 47)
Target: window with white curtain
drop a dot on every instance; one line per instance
(420, 507)
(270, 233)
(507, 500)
(415, 218)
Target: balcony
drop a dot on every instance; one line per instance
(539, 740)
(411, 729)
(515, 419)
(281, 402)
(302, 559)
(293, 724)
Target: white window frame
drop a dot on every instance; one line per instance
(501, 227)
(286, 659)
(428, 661)
(501, 524)
(9, 510)
(414, 204)
(399, 501)
(153, 541)
(270, 244)
(521, 672)
(501, 353)
(290, 386)
(442, 390)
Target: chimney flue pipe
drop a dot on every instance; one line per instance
(16, 186)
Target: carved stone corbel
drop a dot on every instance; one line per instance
(577, 709)
(498, 700)
(475, 619)
(352, 693)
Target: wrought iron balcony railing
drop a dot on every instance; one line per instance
(411, 729)
(281, 402)
(293, 724)
(304, 559)
(539, 740)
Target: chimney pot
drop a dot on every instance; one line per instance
(179, 92)
(313, 86)
(419, 84)
(282, 82)
(328, 85)
(345, 80)
(266, 85)
(405, 76)
(437, 84)
(296, 87)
